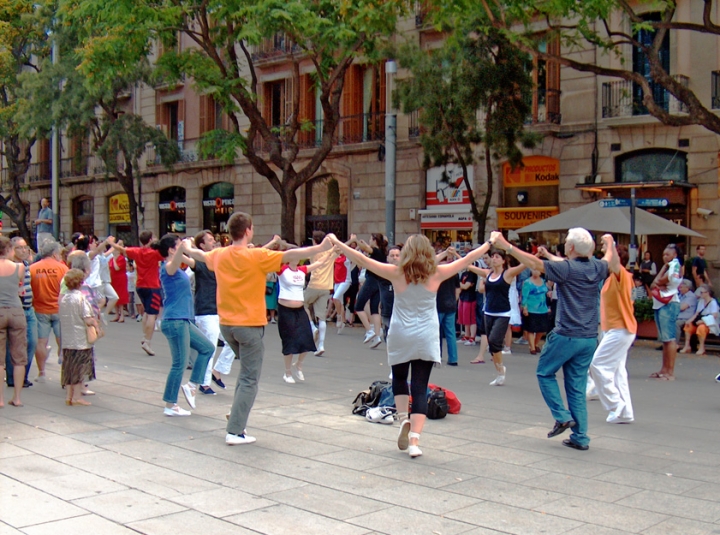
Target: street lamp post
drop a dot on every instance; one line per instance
(390, 153)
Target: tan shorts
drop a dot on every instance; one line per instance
(13, 326)
(318, 300)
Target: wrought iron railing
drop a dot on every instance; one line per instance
(545, 106)
(414, 124)
(351, 129)
(623, 98)
(277, 46)
(189, 152)
(715, 90)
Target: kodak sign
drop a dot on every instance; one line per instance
(535, 171)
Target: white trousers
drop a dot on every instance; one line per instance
(210, 326)
(609, 373)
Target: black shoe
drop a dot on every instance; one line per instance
(574, 445)
(27, 384)
(560, 427)
(452, 364)
(218, 382)
(659, 348)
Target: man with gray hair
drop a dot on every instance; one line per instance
(688, 302)
(572, 342)
(45, 278)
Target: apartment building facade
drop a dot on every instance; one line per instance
(598, 140)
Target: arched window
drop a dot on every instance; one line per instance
(651, 165)
(218, 201)
(83, 208)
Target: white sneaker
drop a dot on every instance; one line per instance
(500, 379)
(138, 318)
(289, 379)
(380, 415)
(146, 347)
(298, 373)
(717, 378)
(369, 335)
(236, 440)
(414, 451)
(376, 342)
(189, 394)
(340, 327)
(506, 350)
(320, 351)
(272, 320)
(403, 439)
(592, 395)
(615, 418)
(469, 343)
(40, 378)
(316, 334)
(176, 411)
(521, 342)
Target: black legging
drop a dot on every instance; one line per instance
(496, 329)
(418, 383)
(370, 291)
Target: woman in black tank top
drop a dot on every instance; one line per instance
(497, 306)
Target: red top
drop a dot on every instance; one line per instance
(340, 269)
(147, 262)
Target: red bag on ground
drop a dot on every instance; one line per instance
(454, 404)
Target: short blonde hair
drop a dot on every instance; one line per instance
(417, 259)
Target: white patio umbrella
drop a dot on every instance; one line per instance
(614, 220)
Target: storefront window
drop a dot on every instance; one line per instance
(171, 210)
(83, 214)
(653, 165)
(218, 205)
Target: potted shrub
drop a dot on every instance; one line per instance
(645, 317)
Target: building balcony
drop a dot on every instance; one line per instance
(352, 129)
(189, 153)
(545, 105)
(276, 47)
(715, 90)
(624, 99)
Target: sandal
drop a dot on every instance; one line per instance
(701, 353)
(684, 350)
(81, 402)
(481, 361)
(663, 377)
(656, 375)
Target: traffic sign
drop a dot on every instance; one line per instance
(640, 203)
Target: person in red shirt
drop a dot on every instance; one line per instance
(147, 261)
(45, 278)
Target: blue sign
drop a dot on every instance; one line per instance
(640, 203)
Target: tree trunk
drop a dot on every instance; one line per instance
(482, 220)
(127, 181)
(287, 216)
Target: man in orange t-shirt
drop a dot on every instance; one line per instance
(240, 271)
(45, 278)
(619, 326)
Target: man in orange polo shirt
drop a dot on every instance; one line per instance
(619, 326)
(45, 278)
(240, 270)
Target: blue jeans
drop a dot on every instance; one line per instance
(181, 336)
(447, 331)
(31, 345)
(574, 356)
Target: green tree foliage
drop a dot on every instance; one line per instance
(473, 90)
(329, 34)
(610, 26)
(24, 52)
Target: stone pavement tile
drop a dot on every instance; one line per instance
(8, 450)
(331, 503)
(676, 526)
(33, 467)
(576, 463)
(494, 469)
(187, 522)
(672, 504)
(57, 447)
(514, 520)
(525, 495)
(285, 519)
(437, 502)
(8, 530)
(710, 474)
(357, 460)
(596, 530)
(584, 487)
(222, 502)
(63, 424)
(293, 445)
(684, 455)
(199, 422)
(88, 524)
(630, 461)
(159, 432)
(604, 514)
(107, 418)
(22, 505)
(21, 431)
(704, 491)
(622, 445)
(507, 454)
(315, 432)
(78, 485)
(419, 472)
(650, 481)
(103, 436)
(401, 521)
(128, 506)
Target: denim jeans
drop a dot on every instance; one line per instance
(31, 345)
(447, 331)
(181, 336)
(246, 343)
(574, 356)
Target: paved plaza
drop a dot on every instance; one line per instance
(121, 467)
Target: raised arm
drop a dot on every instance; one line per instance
(99, 248)
(480, 271)
(611, 254)
(531, 261)
(513, 272)
(543, 252)
(301, 253)
(386, 271)
(193, 252)
(448, 270)
(180, 257)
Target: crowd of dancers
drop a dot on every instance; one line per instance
(406, 296)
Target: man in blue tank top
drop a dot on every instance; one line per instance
(572, 342)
